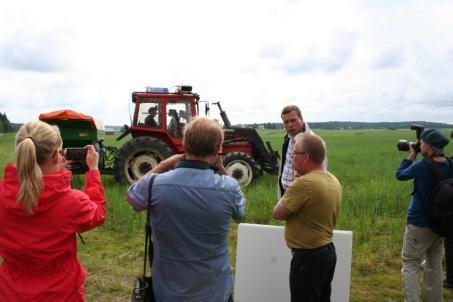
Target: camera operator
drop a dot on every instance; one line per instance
(191, 208)
(419, 240)
(40, 215)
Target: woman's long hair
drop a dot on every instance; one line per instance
(35, 143)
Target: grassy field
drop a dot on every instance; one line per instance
(374, 208)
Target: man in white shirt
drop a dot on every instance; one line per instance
(294, 124)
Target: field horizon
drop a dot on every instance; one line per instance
(327, 125)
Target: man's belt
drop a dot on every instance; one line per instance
(328, 246)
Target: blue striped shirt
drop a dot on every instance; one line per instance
(191, 208)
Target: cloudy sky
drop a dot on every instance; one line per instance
(374, 60)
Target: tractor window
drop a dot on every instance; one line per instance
(178, 114)
(149, 113)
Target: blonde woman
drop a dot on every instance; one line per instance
(40, 215)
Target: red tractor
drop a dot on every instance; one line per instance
(157, 128)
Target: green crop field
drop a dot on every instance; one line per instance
(374, 208)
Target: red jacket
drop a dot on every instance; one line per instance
(39, 250)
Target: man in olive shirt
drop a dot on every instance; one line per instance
(310, 206)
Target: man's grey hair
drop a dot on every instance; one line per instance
(313, 145)
(202, 137)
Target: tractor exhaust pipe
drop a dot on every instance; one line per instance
(224, 116)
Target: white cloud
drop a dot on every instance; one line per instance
(28, 52)
(389, 58)
(354, 60)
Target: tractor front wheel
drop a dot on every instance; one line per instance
(138, 156)
(241, 166)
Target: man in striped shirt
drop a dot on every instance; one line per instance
(294, 124)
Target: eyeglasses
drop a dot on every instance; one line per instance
(294, 153)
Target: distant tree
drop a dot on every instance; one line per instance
(8, 124)
(5, 125)
(2, 123)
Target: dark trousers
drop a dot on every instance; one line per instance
(311, 273)
(448, 245)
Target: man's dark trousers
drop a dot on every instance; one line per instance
(448, 246)
(311, 273)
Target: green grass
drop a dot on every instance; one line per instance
(374, 208)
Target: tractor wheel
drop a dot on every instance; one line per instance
(138, 156)
(241, 166)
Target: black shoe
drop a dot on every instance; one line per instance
(448, 283)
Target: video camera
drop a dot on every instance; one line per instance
(404, 145)
(76, 154)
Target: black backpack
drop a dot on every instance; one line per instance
(440, 218)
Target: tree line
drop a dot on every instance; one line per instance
(337, 125)
(5, 125)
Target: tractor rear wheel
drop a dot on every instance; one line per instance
(138, 156)
(241, 166)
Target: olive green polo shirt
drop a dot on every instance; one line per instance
(314, 202)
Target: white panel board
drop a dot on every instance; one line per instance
(263, 259)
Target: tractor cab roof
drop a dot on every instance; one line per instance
(161, 91)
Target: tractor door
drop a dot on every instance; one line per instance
(178, 113)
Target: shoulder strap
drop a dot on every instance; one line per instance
(148, 231)
(450, 164)
(434, 168)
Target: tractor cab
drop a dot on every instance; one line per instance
(157, 128)
(162, 114)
